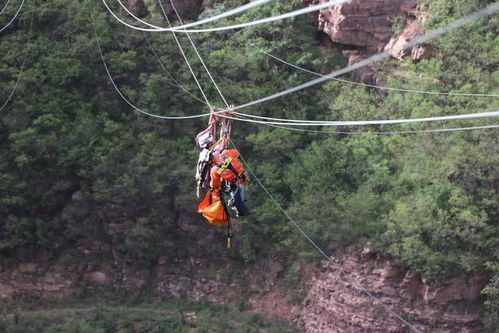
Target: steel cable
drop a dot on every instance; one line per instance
(421, 39)
(232, 27)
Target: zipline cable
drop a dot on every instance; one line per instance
(206, 20)
(436, 130)
(366, 122)
(310, 123)
(303, 232)
(23, 64)
(121, 94)
(181, 50)
(332, 78)
(15, 16)
(421, 39)
(186, 59)
(236, 26)
(411, 91)
(343, 273)
(162, 65)
(197, 53)
(5, 6)
(335, 265)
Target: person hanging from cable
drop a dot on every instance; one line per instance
(219, 171)
(227, 174)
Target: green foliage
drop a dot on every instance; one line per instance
(175, 317)
(75, 158)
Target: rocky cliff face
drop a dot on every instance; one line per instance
(321, 301)
(375, 25)
(335, 304)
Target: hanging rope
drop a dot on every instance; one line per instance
(199, 56)
(180, 48)
(185, 57)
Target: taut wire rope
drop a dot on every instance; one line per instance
(335, 265)
(197, 52)
(411, 91)
(367, 132)
(119, 91)
(4, 7)
(236, 26)
(334, 78)
(269, 120)
(383, 55)
(203, 21)
(14, 17)
(162, 65)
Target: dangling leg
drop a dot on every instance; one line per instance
(239, 201)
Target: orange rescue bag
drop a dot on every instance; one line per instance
(213, 209)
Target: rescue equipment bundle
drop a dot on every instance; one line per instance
(220, 172)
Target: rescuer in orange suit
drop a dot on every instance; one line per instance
(227, 174)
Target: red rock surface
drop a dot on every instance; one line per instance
(328, 302)
(335, 304)
(368, 26)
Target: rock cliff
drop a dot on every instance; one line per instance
(335, 304)
(319, 301)
(361, 28)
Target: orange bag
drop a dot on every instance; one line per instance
(213, 209)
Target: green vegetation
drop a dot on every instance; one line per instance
(165, 317)
(428, 200)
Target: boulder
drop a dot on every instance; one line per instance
(396, 43)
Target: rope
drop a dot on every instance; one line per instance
(26, 48)
(366, 122)
(121, 94)
(15, 16)
(370, 85)
(207, 20)
(335, 265)
(170, 75)
(197, 53)
(236, 26)
(4, 6)
(421, 39)
(438, 130)
(181, 50)
(185, 57)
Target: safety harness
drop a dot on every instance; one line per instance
(208, 144)
(225, 165)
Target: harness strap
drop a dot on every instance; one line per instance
(225, 165)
